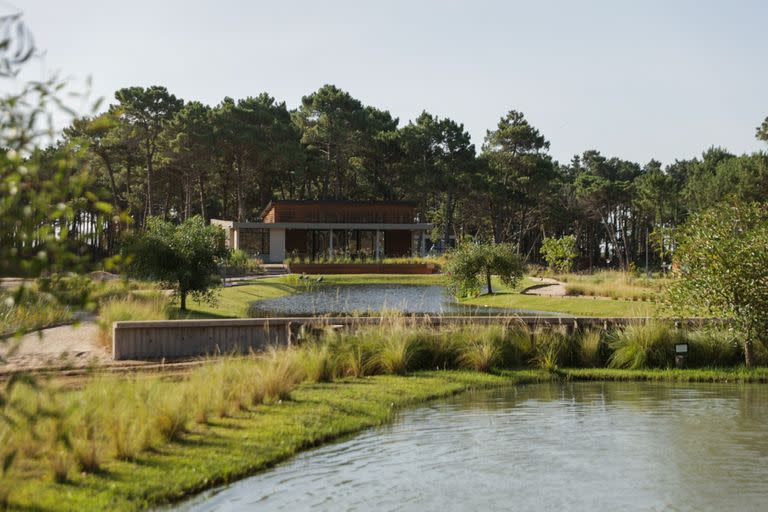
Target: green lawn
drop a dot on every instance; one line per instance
(233, 301)
(231, 448)
(576, 306)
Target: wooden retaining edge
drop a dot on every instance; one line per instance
(177, 339)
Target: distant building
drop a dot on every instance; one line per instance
(315, 229)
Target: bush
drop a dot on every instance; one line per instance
(27, 310)
(648, 345)
(713, 347)
(472, 265)
(68, 289)
(559, 252)
(590, 348)
(154, 306)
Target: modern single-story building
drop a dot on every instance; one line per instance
(315, 229)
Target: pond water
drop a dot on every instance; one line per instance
(577, 446)
(373, 298)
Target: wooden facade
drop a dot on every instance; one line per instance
(330, 229)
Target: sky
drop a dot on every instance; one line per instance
(633, 79)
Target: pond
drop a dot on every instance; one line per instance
(577, 446)
(374, 298)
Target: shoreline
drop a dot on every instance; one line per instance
(230, 449)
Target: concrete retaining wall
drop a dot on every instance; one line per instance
(178, 339)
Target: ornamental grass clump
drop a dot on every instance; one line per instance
(318, 362)
(481, 346)
(590, 348)
(713, 347)
(644, 345)
(153, 306)
(396, 354)
(278, 372)
(553, 348)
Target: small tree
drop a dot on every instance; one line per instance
(722, 261)
(559, 252)
(471, 263)
(183, 257)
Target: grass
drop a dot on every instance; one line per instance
(224, 448)
(576, 306)
(615, 285)
(227, 448)
(233, 301)
(29, 310)
(134, 442)
(153, 306)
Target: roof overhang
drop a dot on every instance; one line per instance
(423, 226)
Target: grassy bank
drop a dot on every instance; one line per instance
(227, 448)
(577, 306)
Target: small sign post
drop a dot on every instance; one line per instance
(681, 351)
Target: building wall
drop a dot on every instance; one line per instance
(296, 241)
(276, 245)
(397, 243)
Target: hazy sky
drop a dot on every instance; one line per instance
(635, 79)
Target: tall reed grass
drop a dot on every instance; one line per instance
(150, 306)
(121, 418)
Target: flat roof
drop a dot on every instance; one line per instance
(333, 202)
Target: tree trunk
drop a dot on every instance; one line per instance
(149, 180)
(749, 355)
(488, 281)
(447, 220)
(183, 298)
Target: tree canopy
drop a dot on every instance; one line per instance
(722, 261)
(472, 265)
(183, 257)
(151, 153)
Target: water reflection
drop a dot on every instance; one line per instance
(372, 298)
(576, 446)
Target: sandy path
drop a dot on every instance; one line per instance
(549, 288)
(70, 346)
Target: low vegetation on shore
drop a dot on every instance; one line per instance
(74, 442)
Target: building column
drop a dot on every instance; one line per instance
(378, 245)
(235, 238)
(330, 243)
(422, 244)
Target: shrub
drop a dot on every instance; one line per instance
(480, 354)
(395, 355)
(646, 345)
(472, 265)
(278, 373)
(317, 362)
(559, 252)
(713, 347)
(154, 306)
(68, 289)
(589, 348)
(552, 348)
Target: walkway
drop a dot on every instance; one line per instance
(548, 287)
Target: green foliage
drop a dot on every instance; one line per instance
(183, 257)
(559, 252)
(722, 261)
(471, 264)
(153, 306)
(70, 290)
(649, 345)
